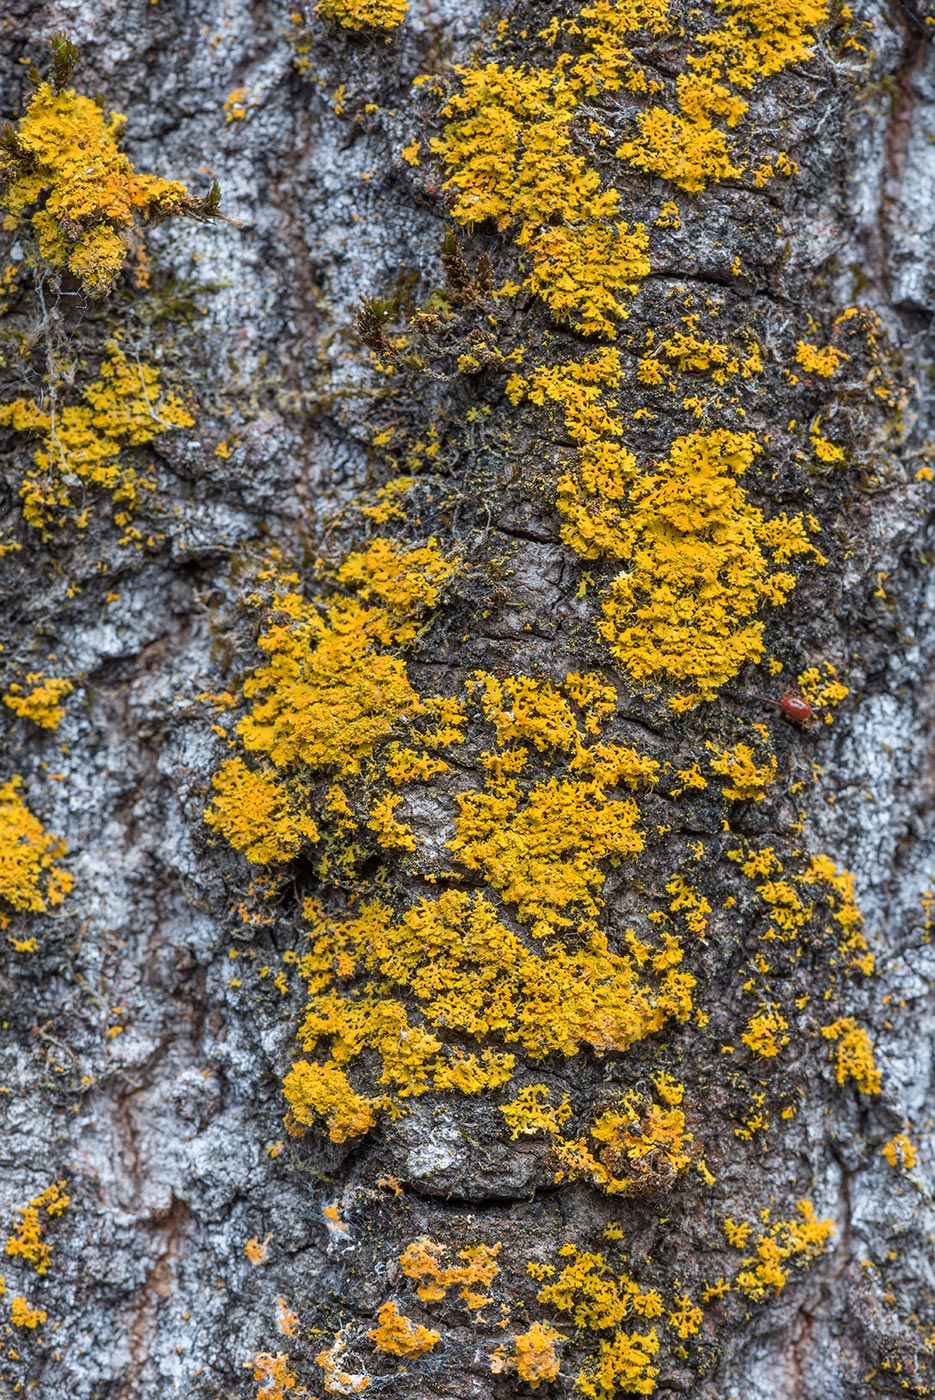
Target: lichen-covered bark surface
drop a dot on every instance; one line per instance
(540, 1008)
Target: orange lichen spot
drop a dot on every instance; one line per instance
(622, 1365)
(336, 1380)
(797, 1241)
(532, 1355)
(900, 1152)
(287, 1320)
(30, 879)
(530, 1112)
(277, 1377)
(747, 780)
(854, 1054)
(364, 14)
(257, 1250)
(27, 1242)
(39, 700)
(235, 109)
(257, 814)
(421, 1261)
(399, 1335)
(22, 1315)
(821, 360)
(766, 1032)
(126, 407)
(63, 161)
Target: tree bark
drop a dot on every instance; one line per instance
(208, 1250)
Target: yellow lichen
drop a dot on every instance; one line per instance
(766, 1032)
(63, 162)
(900, 1152)
(532, 1355)
(275, 1373)
(41, 702)
(854, 1054)
(82, 443)
(796, 1241)
(27, 1243)
(364, 14)
(399, 1335)
(30, 879)
(756, 40)
(22, 1315)
(421, 1261)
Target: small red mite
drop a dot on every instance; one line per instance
(796, 708)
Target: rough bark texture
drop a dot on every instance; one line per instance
(146, 1038)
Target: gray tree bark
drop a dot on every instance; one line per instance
(169, 1130)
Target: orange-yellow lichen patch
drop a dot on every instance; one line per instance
(821, 360)
(257, 1250)
(532, 1355)
(530, 1112)
(689, 146)
(900, 1152)
(636, 1142)
(766, 1032)
(27, 1242)
(422, 1261)
(30, 878)
(700, 570)
(257, 814)
(63, 161)
(854, 1059)
(39, 699)
(819, 685)
(22, 1315)
(275, 1373)
(336, 1380)
(796, 1241)
(82, 443)
(364, 14)
(469, 975)
(747, 780)
(511, 158)
(399, 1335)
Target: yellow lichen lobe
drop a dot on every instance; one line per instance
(30, 879)
(126, 407)
(39, 699)
(364, 14)
(900, 1152)
(22, 1315)
(854, 1054)
(532, 1355)
(399, 1335)
(422, 1261)
(64, 162)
